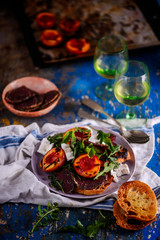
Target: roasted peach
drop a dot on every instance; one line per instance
(51, 38)
(53, 159)
(77, 46)
(46, 19)
(86, 166)
(69, 26)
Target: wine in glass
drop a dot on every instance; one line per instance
(132, 87)
(110, 51)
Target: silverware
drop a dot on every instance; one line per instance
(85, 114)
(134, 136)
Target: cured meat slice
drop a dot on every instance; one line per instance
(40, 98)
(89, 184)
(65, 177)
(27, 105)
(49, 98)
(30, 104)
(19, 94)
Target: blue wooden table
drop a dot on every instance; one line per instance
(75, 79)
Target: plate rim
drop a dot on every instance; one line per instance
(81, 196)
(20, 82)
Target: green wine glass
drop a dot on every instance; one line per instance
(132, 87)
(110, 51)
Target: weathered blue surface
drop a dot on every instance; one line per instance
(75, 79)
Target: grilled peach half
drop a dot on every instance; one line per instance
(86, 166)
(51, 37)
(53, 160)
(46, 19)
(69, 25)
(78, 46)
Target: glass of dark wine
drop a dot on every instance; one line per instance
(132, 87)
(110, 51)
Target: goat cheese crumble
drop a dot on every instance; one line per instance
(45, 146)
(68, 151)
(118, 172)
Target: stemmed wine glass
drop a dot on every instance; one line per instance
(132, 87)
(110, 51)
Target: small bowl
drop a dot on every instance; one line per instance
(40, 85)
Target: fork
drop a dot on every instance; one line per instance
(134, 136)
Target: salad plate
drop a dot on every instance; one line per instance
(42, 176)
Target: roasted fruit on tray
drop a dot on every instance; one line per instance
(77, 46)
(46, 19)
(51, 37)
(69, 26)
(25, 99)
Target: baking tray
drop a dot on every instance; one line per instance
(129, 19)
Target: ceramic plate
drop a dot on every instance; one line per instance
(37, 84)
(43, 176)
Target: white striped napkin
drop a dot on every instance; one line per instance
(19, 184)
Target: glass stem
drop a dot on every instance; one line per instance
(131, 113)
(109, 85)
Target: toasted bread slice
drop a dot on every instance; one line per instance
(137, 200)
(124, 222)
(95, 190)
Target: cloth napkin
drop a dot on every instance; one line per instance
(19, 184)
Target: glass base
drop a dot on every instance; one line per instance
(126, 115)
(104, 91)
(129, 115)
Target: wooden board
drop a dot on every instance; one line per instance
(97, 18)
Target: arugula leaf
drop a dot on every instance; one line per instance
(90, 150)
(55, 183)
(80, 129)
(116, 149)
(79, 228)
(56, 139)
(79, 149)
(90, 231)
(102, 136)
(51, 213)
(70, 136)
(107, 168)
(47, 215)
(67, 137)
(93, 228)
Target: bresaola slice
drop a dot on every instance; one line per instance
(30, 104)
(19, 95)
(49, 98)
(89, 184)
(65, 177)
(24, 99)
